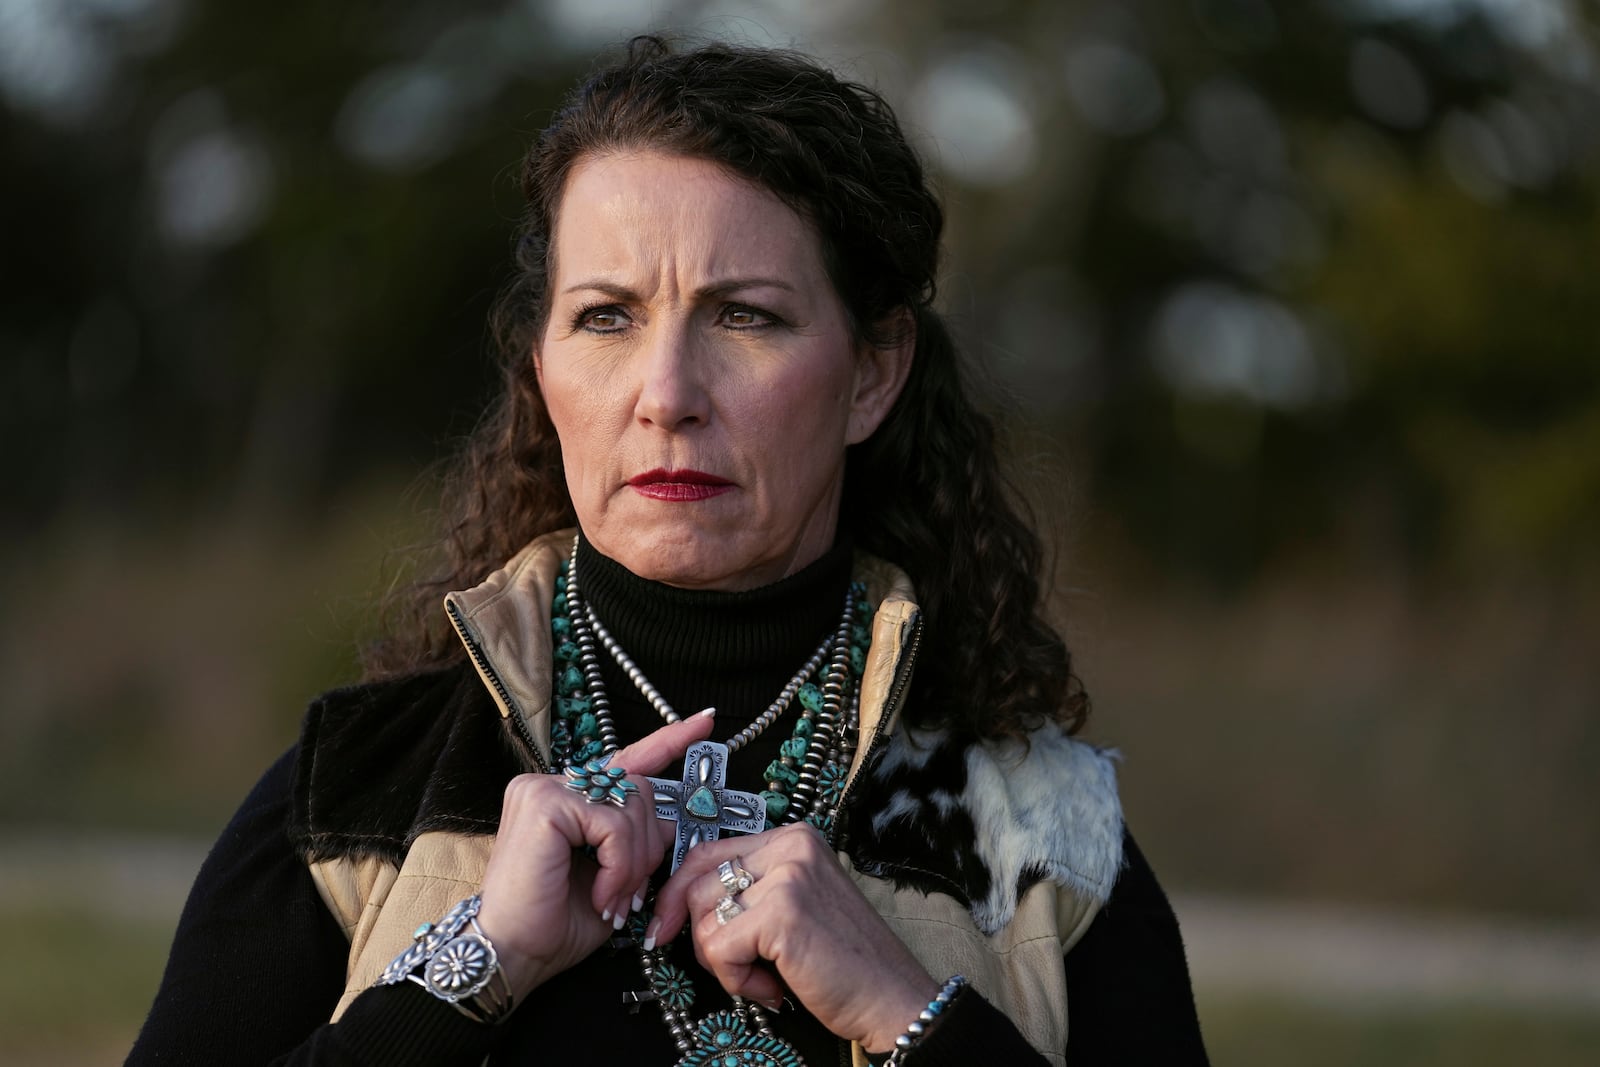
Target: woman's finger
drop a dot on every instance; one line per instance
(647, 845)
(612, 833)
(655, 752)
(651, 755)
(756, 852)
(731, 948)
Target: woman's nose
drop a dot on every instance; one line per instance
(671, 393)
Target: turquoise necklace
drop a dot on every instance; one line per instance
(805, 781)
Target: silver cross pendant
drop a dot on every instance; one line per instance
(700, 805)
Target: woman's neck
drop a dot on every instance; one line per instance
(733, 651)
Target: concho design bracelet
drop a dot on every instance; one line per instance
(457, 965)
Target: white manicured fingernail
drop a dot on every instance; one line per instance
(650, 933)
(638, 902)
(707, 712)
(616, 923)
(605, 916)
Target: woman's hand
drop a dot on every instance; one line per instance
(804, 919)
(545, 905)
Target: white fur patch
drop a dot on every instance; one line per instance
(902, 805)
(1054, 809)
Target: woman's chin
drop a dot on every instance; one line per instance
(699, 569)
(691, 559)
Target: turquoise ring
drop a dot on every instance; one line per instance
(599, 783)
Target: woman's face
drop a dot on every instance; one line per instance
(701, 373)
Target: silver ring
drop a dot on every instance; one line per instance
(734, 878)
(727, 910)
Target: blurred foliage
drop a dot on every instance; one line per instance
(1282, 276)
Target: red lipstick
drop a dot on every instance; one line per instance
(679, 485)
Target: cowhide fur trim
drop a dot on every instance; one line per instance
(984, 821)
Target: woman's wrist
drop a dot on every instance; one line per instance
(893, 1012)
(927, 1016)
(523, 972)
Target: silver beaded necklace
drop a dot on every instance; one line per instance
(587, 628)
(744, 1031)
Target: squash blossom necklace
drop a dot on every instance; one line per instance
(806, 781)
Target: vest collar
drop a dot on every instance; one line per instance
(504, 623)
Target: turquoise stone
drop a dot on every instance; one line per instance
(558, 606)
(702, 803)
(802, 728)
(561, 580)
(777, 772)
(724, 1040)
(830, 784)
(586, 726)
(571, 680)
(794, 748)
(777, 804)
(561, 626)
(421, 932)
(673, 987)
(588, 750)
(567, 652)
(572, 707)
(859, 636)
(810, 697)
(858, 661)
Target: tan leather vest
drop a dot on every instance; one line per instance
(1017, 968)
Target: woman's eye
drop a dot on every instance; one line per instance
(607, 319)
(745, 318)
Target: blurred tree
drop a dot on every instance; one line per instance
(1277, 274)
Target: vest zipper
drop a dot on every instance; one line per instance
(902, 678)
(486, 669)
(891, 703)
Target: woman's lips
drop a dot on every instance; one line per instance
(681, 485)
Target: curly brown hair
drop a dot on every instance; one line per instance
(926, 491)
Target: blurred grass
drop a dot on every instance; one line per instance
(76, 986)
(1245, 1031)
(1347, 733)
(157, 669)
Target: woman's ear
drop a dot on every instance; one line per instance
(881, 373)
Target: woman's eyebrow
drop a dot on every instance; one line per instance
(618, 291)
(732, 285)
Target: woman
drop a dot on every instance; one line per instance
(722, 363)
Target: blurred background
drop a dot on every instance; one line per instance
(1292, 307)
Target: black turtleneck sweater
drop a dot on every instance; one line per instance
(257, 961)
(731, 651)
